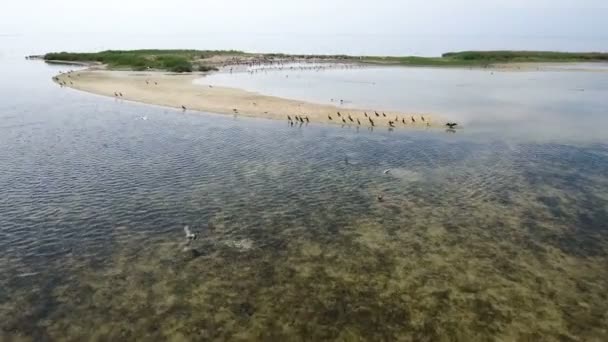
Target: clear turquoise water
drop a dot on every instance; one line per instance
(486, 234)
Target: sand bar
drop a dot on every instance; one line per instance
(177, 90)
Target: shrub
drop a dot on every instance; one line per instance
(206, 68)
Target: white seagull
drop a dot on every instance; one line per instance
(190, 236)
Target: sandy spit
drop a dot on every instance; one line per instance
(177, 90)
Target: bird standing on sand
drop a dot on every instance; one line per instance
(413, 120)
(183, 107)
(120, 94)
(390, 123)
(383, 114)
(358, 122)
(329, 117)
(307, 121)
(365, 113)
(403, 120)
(288, 118)
(422, 117)
(376, 113)
(344, 121)
(338, 113)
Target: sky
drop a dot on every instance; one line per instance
(463, 17)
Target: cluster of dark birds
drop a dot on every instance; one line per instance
(297, 119)
(347, 118)
(61, 82)
(117, 94)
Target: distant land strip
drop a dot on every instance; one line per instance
(211, 60)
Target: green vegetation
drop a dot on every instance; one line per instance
(526, 56)
(481, 58)
(206, 68)
(200, 60)
(171, 60)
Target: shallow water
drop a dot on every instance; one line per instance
(545, 104)
(480, 235)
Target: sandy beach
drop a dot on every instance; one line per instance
(177, 90)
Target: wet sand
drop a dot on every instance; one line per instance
(177, 90)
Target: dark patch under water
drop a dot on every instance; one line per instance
(475, 239)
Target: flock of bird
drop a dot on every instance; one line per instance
(371, 119)
(297, 118)
(63, 82)
(346, 119)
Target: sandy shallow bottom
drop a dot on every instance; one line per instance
(177, 90)
(485, 240)
(476, 248)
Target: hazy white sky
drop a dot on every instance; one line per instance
(493, 17)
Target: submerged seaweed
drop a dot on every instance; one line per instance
(499, 243)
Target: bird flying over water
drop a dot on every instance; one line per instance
(451, 124)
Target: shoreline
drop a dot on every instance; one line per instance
(177, 90)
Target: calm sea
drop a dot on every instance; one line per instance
(495, 232)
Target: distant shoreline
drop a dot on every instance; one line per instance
(209, 60)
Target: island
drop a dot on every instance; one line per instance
(166, 77)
